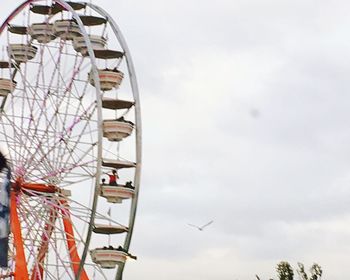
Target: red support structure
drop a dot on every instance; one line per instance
(72, 247)
(21, 271)
(38, 270)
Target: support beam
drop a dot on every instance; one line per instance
(21, 271)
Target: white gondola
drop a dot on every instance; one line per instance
(115, 130)
(6, 86)
(108, 258)
(18, 29)
(42, 32)
(108, 54)
(92, 20)
(66, 29)
(22, 52)
(116, 104)
(97, 43)
(109, 229)
(109, 79)
(117, 164)
(116, 194)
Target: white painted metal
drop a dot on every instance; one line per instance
(42, 32)
(115, 104)
(97, 43)
(109, 79)
(6, 86)
(67, 29)
(108, 258)
(135, 90)
(109, 229)
(22, 52)
(117, 164)
(116, 194)
(116, 130)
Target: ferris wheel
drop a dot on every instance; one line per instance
(70, 126)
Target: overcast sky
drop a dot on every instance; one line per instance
(245, 109)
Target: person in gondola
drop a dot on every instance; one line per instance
(122, 119)
(129, 185)
(120, 248)
(113, 178)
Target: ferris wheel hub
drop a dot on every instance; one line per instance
(19, 184)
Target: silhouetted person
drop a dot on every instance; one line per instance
(129, 185)
(3, 162)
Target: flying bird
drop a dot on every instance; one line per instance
(201, 227)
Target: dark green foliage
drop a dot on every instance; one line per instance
(301, 272)
(316, 272)
(285, 271)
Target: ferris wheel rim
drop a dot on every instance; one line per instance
(138, 123)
